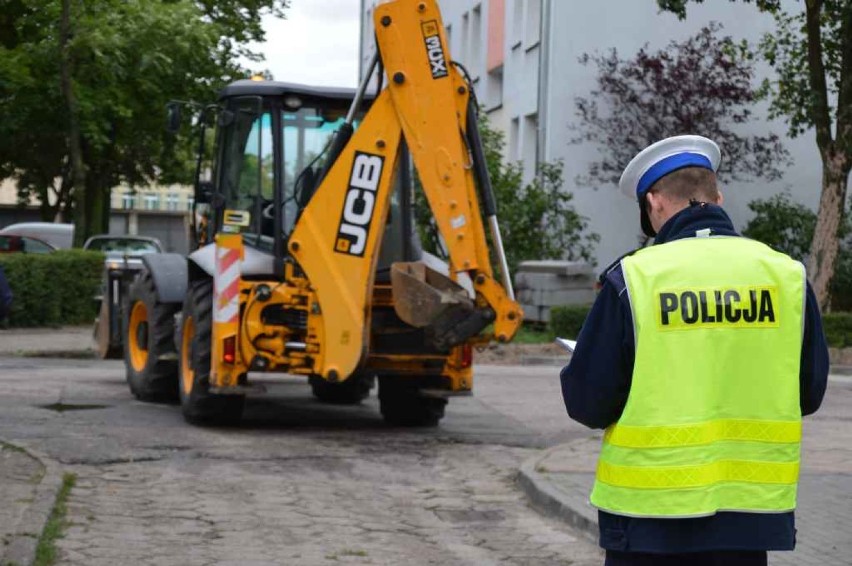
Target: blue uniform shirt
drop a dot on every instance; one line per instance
(5, 295)
(596, 383)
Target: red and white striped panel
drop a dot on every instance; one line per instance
(226, 285)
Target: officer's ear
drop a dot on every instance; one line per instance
(720, 198)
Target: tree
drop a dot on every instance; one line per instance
(702, 85)
(811, 52)
(537, 219)
(86, 83)
(789, 226)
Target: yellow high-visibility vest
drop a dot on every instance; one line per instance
(712, 422)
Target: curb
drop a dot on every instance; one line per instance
(22, 545)
(550, 500)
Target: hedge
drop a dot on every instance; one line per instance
(838, 329)
(53, 289)
(567, 321)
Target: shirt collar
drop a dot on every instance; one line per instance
(696, 220)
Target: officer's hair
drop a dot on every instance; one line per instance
(689, 183)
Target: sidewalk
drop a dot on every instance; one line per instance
(68, 340)
(559, 482)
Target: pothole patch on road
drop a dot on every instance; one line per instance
(470, 515)
(65, 407)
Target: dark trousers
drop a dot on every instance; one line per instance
(718, 558)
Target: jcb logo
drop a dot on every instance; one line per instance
(360, 204)
(434, 49)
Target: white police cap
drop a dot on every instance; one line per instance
(659, 159)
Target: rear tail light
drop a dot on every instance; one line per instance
(229, 351)
(466, 356)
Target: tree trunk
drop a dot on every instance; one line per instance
(78, 169)
(825, 244)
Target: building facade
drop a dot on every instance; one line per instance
(523, 56)
(158, 211)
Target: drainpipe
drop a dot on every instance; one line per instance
(543, 83)
(361, 19)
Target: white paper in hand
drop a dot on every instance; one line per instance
(569, 345)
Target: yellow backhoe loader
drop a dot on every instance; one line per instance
(306, 259)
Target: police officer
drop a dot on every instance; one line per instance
(5, 295)
(699, 358)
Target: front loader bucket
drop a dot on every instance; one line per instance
(425, 298)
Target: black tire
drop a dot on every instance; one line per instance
(350, 392)
(149, 348)
(402, 405)
(198, 404)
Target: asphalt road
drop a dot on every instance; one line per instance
(298, 482)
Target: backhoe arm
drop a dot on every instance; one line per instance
(337, 238)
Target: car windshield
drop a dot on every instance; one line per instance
(129, 246)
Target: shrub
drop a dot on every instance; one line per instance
(838, 329)
(53, 289)
(567, 321)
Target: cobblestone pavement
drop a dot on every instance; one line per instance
(297, 483)
(19, 475)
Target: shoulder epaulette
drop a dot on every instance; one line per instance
(615, 264)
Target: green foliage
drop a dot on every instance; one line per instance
(127, 59)
(567, 321)
(838, 329)
(53, 289)
(530, 334)
(783, 224)
(537, 219)
(788, 227)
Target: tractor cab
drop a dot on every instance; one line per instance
(273, 147)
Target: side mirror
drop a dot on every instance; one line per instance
(204, 192)
(173, 117)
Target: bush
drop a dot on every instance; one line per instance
(838, 329)
(788, 227)
(567, 321)
(53, 289)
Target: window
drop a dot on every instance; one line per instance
(450, 45)
(475, 40)
(514, 135)
(465, 39)
(127, 201)
(152, 201)
(517, 21)
(530, 143)
(533, 23)
(172, 201)
(494, 88)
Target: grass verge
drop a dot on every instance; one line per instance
(46, 549)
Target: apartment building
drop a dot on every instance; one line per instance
(524, 55)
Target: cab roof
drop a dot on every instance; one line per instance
(276, 88)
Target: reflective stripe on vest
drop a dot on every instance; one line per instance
(712, 421)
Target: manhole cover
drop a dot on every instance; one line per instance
(469, 515)
(63, 407)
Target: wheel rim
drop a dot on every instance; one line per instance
(137, 336)
(187, 374)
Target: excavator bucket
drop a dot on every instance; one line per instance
(425, 298)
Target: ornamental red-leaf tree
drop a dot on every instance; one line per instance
(702, 85)
(811, 52)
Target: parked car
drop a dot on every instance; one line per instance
(123, 261)
(60, 236)
(14, 243)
